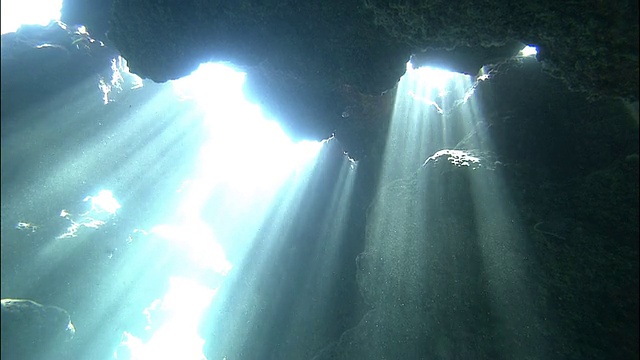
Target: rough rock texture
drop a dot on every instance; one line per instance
(299, 54)
(592, 45)
(30, 329)
(39, 62)
(449, 281)
(570, 169)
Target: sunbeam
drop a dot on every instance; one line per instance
(176, 186)
(197, 181)
(442, 230)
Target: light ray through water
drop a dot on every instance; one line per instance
(160, 190)
(444, 249)
(234, 184)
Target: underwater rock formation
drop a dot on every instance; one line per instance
(33, 331)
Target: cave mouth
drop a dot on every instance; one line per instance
(31, 12)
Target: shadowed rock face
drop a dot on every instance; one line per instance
(572, 166)
(32, 331)
(299, 55)
(39, 62)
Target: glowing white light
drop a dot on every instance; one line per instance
(436, 78)
(103, 207)
(436, 82)
(22, 12)
(197, 239)
(243, 145)
(177, 337)
(213, 85)
(103, 202)
(119, 75)
(529, 51)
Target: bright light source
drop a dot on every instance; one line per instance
(529, 51)
(198, 240)
(212, 85)
(31, 12)
(103, 207)
(104, 202)
(119, 76)
(244, 160)
(176, 337)
(243, 145)
(437, 80)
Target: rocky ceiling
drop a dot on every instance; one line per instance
(310, 62)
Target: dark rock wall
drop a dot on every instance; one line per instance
(570, 164)
(39, 62)
(299, 56)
